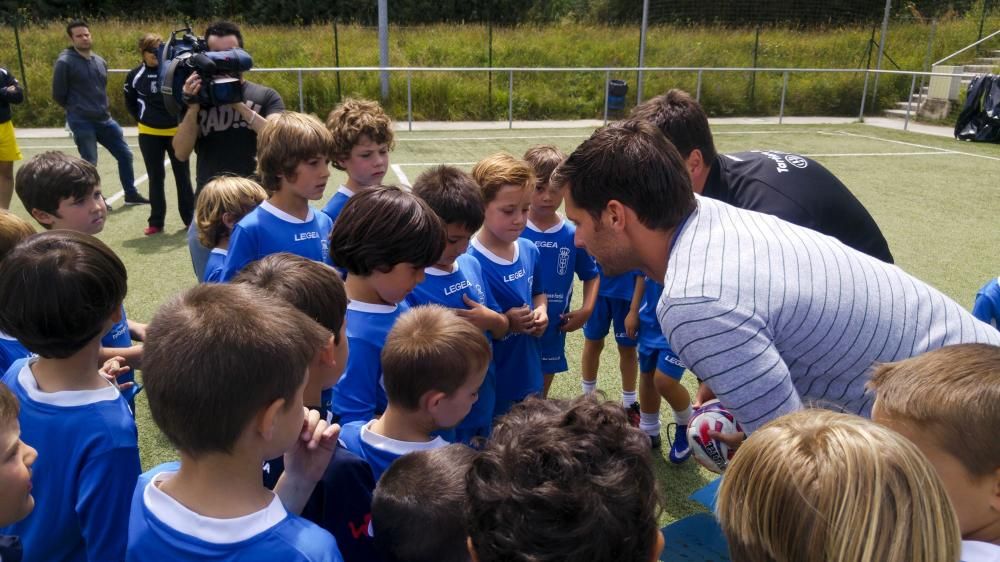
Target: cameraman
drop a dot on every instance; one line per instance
(225, 137)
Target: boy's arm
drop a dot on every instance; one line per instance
(137, 330)
(632, 319)
(540, 314)
(104, 496)
(484, 318)
(575, 319)
(131, 356)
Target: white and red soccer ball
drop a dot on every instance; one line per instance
(711, 453)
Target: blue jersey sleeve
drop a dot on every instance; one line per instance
(355, 397)
(104, 497)
(537, 279)
(987, 305)
(585, 266)
(243, 249)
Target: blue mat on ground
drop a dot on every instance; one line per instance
(696, 537)
(706, 495)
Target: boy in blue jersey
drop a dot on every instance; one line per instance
(456, 280)
(362, 138)
(78, 421)
(341, 502)
(223, 202)
(617, 308)
(509, 264)
(384, 239)
(418, 511)
(63, 192)
(16, 459)
(13, 229)
(660, 372)
(987, 305)
(433, 365)
(213, 505)
(293, 168)
(560, 259)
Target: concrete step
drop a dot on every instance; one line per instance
(991, 61)
(902, 105)
(978, 68)
(899, 113)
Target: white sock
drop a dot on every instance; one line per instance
(589, 387)
(649, 423)
(682, 418)
(628, 398)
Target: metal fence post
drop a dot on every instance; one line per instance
(510, 100)
(697, 92)
(881, 50)
(864, 93)
(784, 88)
(607, 91)
(302, 107)
(927, 58)
(409, 100)
(909, 103)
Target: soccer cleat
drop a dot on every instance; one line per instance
(135, 199)
(108, 204)
(680, 450)
(151, 230)
(655, 441)
(634, 414)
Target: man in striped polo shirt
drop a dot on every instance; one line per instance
(770, 315)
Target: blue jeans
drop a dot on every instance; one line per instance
(87, 134)
(199, 253)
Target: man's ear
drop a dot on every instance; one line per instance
(695, 161)
(615, 211)
(264, 424)
(44, 218)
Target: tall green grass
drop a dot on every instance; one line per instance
(454, 96)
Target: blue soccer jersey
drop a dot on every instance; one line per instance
(337, 202)
(88, 462)
(161, 528)
(987, 306)
(215, 265)
(10, 351)
(359, 394)
(517, 357)
(618, 286)
(559, 260)
(447, 289)
(268, 230)
(121, 337)
(377, 450)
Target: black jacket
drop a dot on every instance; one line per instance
(144, 100)
(7, 98)
(79, 85)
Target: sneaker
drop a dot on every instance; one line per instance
(135, 199)
(151, 230)
(680, 450)
(655, 441)
(108, 205)
(634, 414)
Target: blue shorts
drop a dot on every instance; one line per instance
(663, 360)
(609, 311)
(553, 346)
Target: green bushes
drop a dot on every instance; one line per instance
(454, 96)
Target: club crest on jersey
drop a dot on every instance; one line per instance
(562, 266)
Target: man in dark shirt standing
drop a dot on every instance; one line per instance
(225, 137)
(788, 186)
(79, 85)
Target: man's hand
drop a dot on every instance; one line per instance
(191, 88)
(732, 440)
(521, 318)
(574, 320)
(703, 395)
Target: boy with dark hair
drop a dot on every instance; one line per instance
(418, 512)
(509, 265)
(64, 192)
(214, 505)
(16, 459)
(13, 229)
(560, 259)
(564, 481)
(293, 169)
(362, 139)
(947, 402)
(384, 238)
(77, 420)
(433, 366)
(341, 502)
(456, 280)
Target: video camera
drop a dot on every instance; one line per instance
(186, 53)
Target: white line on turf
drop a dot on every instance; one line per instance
(579, 136)
(845, 133)
(401, 176)
(862, 154)
(139, 181)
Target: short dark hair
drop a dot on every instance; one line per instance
(216, 355)
(223, 28)
(73, 24)
(633, 163)
(430, 348)
(57, 291)
(48, 178)
(681, 119)
(453, 195)
(564, 480)
(418, 508)
(543, 159)
(310, 286)
(384, 226)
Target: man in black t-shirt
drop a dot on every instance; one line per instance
(788, 186)
(224, 137)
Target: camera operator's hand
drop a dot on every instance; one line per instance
(191, 88)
